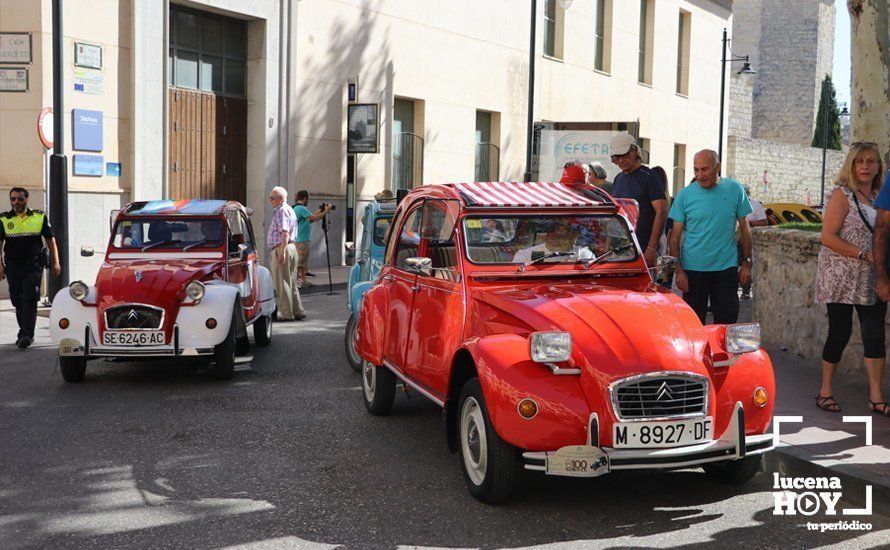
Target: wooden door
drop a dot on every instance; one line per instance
(208, 146)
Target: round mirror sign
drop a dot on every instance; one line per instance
(45, 127)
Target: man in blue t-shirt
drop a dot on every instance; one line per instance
(636, 182)
(881, 240)
(708, 268)
(304, 232)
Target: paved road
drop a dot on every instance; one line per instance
(163, 455)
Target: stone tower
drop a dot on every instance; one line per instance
(791, 45)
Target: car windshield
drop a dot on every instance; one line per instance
(551, 238)
(166, 233)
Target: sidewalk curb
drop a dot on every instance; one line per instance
(793, 462)
(322, 289)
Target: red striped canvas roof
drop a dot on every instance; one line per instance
(521, 194)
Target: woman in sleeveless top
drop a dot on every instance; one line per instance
(845, 279)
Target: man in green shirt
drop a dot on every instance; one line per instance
(708, 268)
(304, 232)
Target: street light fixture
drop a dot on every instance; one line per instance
(746, 69)
(530, 129)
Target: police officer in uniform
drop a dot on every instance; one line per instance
(23, 259)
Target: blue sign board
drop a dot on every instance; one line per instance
(88, 165)
(113, 169)
(87, 126)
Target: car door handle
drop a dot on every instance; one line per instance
(387, 278)
(415, 288)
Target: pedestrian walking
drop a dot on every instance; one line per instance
(305, 219)
(23, 259)
(283, 263)
(706, 213)
(845, 276)
(636, 182)
(596, 175)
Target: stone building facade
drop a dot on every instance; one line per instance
(791, 46)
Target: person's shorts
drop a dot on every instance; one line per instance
(303, 254)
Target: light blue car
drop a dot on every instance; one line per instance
(368, 259)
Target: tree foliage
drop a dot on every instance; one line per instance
(828, 100)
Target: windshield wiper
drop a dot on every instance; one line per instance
(544, 257)
(606, 254)
(159, 243)
(199, 243)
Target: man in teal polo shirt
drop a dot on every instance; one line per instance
(304, 232)
(708, 268)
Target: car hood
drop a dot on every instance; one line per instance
(159, 283)
(615, 332)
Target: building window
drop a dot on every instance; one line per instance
(602, 36)
(645, 145)
(487, 150)
(550, 28)
(647, 23)
(207, 52)
(407, 152)
(679, 175)
(683, 36)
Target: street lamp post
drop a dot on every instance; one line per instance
(746, 69)
(530, 127)
(825, 121)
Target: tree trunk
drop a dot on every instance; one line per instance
(870, 52)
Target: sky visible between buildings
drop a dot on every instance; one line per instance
(841, 69)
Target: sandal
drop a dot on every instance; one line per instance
(884, 409)
(828, 403)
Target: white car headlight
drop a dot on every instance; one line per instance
(78, 290)
(551, 347)
(743, 338)
(195, 291)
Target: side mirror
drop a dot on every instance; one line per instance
(239, 254)
(664, 270)
(86, 251)
(421, 266)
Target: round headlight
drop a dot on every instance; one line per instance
(195, 291)
(78, 290)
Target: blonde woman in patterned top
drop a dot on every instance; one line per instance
(845, 279)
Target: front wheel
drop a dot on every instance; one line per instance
(488, 462)
(73, 368)
(378, 388)
(352, 356)
(224, 355)
(262, 331)
(734, 472)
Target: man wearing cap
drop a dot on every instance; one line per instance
(636, 182)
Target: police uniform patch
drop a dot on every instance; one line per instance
(10, 225)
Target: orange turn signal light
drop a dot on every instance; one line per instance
(210, 323)
(64, 323)
(527, 408)
(760, 397)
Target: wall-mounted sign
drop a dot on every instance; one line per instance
(45, 127)
(15, 47)
(87, 128)
(13, 79)
(89, 81)
(87, 55)
(88, 165)
(362, 128)
(113, 169)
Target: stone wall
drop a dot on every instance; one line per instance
(740, 105)
(784, 283)
(793, 172)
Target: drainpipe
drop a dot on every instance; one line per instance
(165, 100)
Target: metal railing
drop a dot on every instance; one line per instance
(488, 162)
(407, 161)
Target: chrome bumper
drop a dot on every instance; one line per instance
(733, 444)
(73, 348)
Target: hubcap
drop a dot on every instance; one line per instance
(473, 439)
(369, 380)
